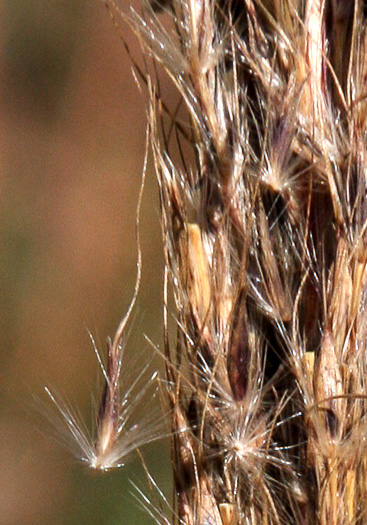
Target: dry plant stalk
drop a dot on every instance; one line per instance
(264, 225)
(264, 235)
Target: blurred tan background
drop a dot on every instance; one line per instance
(72, 146)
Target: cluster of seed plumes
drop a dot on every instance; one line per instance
(262, 173)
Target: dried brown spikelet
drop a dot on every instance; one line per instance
(125, 394)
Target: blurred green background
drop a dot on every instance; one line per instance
(72, 136)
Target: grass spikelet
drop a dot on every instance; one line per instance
(115, 437)
(124, 398)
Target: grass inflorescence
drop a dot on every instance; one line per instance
(262, 179)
